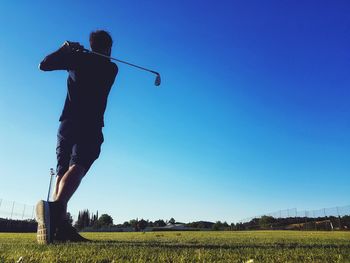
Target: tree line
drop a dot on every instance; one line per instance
(87, 221)
(17, 226)
(296, 223)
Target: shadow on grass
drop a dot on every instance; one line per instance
(173, 245)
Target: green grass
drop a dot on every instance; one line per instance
(261, 246)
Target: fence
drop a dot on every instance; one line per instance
(338, 211)
(19, 211)
(14, 210)
(325, 218)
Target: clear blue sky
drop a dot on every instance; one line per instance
(252, 116)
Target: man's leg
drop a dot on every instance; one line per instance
(57, 186)
(65, 142)
(67, 184)
(84, 152)
(49, 214)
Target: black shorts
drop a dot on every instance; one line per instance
(77, 144)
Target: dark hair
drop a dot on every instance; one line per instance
(100, 41)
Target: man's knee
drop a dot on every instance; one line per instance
(77, 170)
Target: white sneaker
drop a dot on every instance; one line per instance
(44, 232)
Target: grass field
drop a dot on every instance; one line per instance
(256, 246)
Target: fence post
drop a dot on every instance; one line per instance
(315, 219)
(13, 205)
(305, 220)
(33, 213)
(24, 209)
(339, 220)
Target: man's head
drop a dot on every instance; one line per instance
(101, 42)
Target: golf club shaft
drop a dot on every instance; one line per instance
(121, 61)
(52, 173)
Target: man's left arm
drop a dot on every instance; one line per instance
(62, 59)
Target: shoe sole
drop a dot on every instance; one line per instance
(43, 235)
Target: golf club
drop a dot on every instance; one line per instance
(52, 173)
(80, 47)
(157, 80)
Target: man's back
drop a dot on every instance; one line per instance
(89, 82)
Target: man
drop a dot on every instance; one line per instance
(90, 78)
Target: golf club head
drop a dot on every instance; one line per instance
(157, 81)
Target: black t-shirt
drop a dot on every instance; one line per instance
(90, 78)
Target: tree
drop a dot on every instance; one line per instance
(126, 224)
(135, 224)
(105, 220)
(159, 223)
(83, 220)
(266, 221)
(217, 225)
(69, 218)
(86, 218)
(172, 221)
(220, 226)
(142, 224)
(94, 219)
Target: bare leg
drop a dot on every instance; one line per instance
(67, 184)
(57, 186)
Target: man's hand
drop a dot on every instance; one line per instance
(72, 46)
(63, 58)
